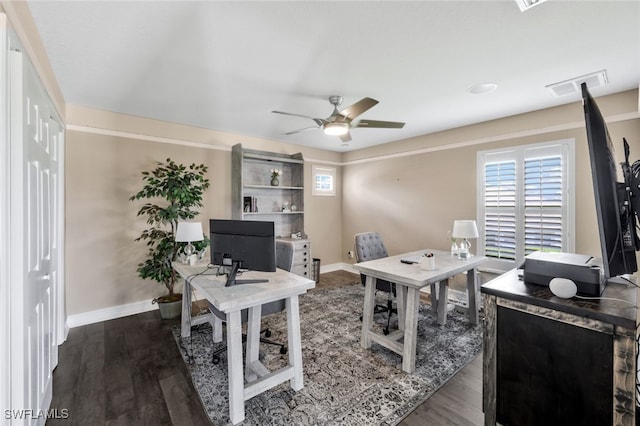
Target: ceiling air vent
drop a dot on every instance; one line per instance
(572, 86)
(528, 4)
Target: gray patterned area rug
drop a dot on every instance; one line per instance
(344, 384)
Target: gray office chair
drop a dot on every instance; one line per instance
(284, 260)
(369, 246)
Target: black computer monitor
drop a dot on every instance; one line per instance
(242, 244)
(614, 207)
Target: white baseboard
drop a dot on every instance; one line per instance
(120, 311)
(107, 314)
(337, 267)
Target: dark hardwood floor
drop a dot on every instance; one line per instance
(128, 371)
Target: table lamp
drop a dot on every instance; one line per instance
(464, 229)
(188, 232)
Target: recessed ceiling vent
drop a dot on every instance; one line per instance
(528, 4)
(572, 86)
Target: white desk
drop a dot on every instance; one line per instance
(231, 300)
(409, 280)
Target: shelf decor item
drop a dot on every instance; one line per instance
(274, 176)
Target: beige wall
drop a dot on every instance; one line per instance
(103, 171)
(413, 199)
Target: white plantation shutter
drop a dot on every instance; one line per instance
(543, 201)
(500, 210)
(525, 201)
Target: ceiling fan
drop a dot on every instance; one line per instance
(339, 122)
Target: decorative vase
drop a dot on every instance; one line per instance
(275, 181)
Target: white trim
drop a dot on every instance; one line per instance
(5, 253)
(497, 138)
(337, 267)
(461, 144)
(181, 142)
(106, 314)
(61, 318)
(114, 312)
(149, 138)
(19, 369)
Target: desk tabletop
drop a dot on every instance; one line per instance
(391, 269)
(281, 284)
(510, 286)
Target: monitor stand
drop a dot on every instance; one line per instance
(231, 278)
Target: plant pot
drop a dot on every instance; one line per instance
(170, 308)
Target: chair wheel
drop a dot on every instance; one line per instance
(283, 350)
(215, 359)
(267, 333)
(385, 331)
(360, 317)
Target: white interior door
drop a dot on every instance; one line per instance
(35, 142)
(5, 301)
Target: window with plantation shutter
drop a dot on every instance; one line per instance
(500, 210)
(525, 202)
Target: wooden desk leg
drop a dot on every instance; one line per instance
(185, 330)
(433, 297)
(294, 340)
(472, 294)
(253, 341)
(443, 300)
(367, 311)
(216, 327)
(401, 297)
(234, 367)
(411, 330)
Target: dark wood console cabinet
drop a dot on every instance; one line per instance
(549, 360)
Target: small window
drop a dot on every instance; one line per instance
(324, 180)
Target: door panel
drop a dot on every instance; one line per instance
(35, 134)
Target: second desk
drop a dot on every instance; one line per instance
(409, 279)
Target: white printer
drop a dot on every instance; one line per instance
(585, 271)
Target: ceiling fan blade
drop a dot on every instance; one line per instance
(346, 137)
(302, 130)
(358, 108)
(380, 124)
(318, 121)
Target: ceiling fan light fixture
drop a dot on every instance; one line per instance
(336, 129)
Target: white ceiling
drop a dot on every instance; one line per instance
(227, 65)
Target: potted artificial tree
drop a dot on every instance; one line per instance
(177, 190)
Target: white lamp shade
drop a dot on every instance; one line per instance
(464, 229)
(189, 231)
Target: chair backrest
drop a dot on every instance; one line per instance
(369, 246)
(284, 254)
